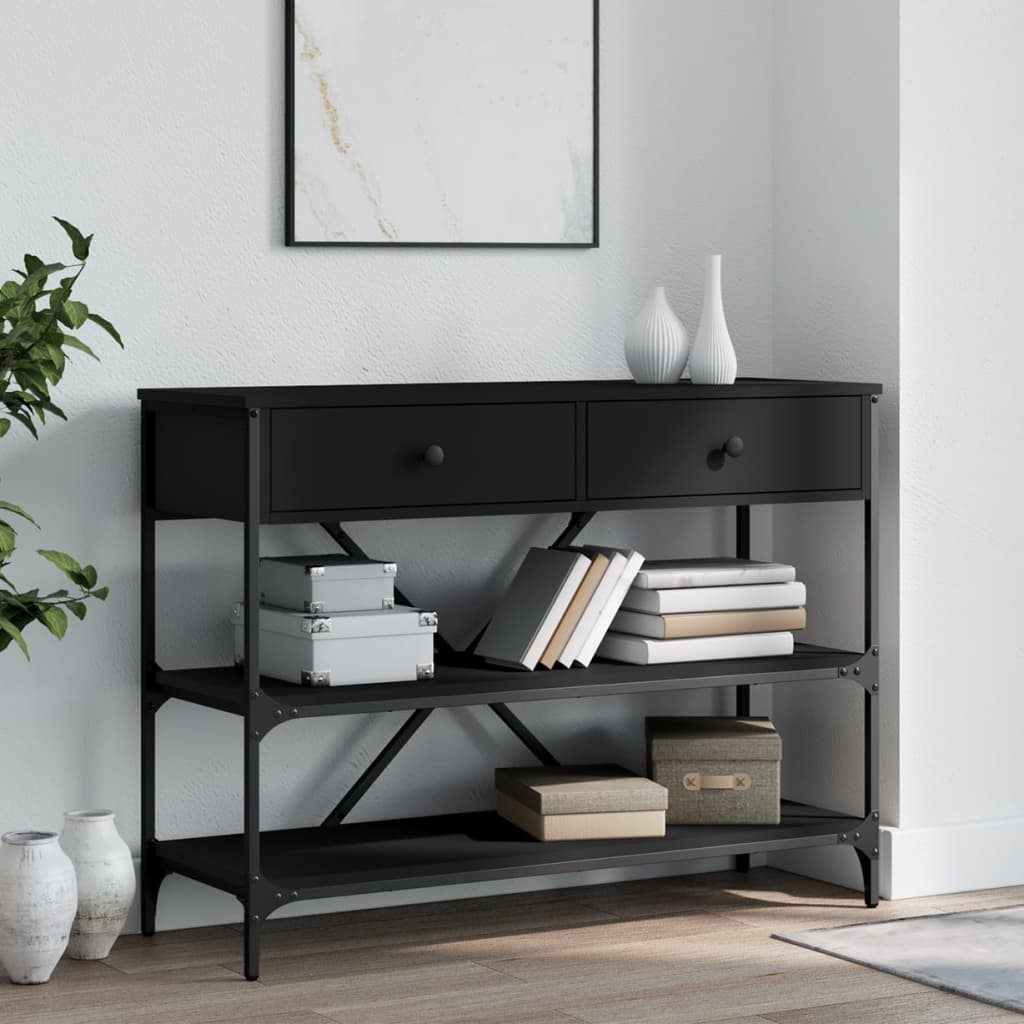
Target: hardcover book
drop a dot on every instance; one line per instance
(530, 611)
(639, 650)
(710, 572)
(595, 606)
(687, 624)
(577, 606)
(616, 593)
(716, 599)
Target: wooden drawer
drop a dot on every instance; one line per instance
(375, 457)
(671, 448)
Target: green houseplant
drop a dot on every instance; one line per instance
(38, 321)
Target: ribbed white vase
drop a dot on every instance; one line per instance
(106, 881)
(657, 344)
(713, 359)
(38, 897)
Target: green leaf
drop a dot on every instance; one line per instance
(55, 620)
(107, 326)
(77, 608)
(14, 633)
(7, 506)
(89, 572)
(32, 263)
(101, 593)
(5, 425)
(76, 312)
(65, 563)
(72, 342)
(8, 538)
(79, 245)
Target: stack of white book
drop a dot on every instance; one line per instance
(707, 609)
(559, 607)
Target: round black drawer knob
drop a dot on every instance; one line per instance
(733, 447)
(434, 455)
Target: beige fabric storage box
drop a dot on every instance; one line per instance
(718, 771)
(597, 801)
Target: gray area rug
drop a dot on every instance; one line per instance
(979, 953)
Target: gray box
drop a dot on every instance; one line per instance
(324, 584)
(382, 646)
(718, 771)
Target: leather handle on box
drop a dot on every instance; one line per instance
(694, 781)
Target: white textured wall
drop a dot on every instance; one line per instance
(160, 128)
(836, 304)
(961, 222)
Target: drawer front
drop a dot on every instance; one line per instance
(413, 456)
(655, 449)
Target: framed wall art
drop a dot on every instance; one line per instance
(442, 122)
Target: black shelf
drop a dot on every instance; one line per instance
(410, 853)
(476, 683)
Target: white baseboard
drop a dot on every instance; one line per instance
(187, 904)
(952, 858)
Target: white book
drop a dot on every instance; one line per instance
(604, 619)
(639, 650)
(716, 599)
(596, 605)
(710, 572)
(533, 606)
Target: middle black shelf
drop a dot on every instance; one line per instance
(461, 685)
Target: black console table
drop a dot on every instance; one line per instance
(333, 454)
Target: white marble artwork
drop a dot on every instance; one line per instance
(446, 121)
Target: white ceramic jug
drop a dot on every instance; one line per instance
(106, 881)
(38, 899)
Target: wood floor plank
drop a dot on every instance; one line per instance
(927, 1007)
(829, 984)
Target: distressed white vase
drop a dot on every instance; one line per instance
(38, 899)
(713, 359)
(106, 881)
(657, 343)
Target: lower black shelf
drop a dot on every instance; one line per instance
(314, 863)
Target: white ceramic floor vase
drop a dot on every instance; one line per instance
(713, 359)
(38, 898)
(106, 881)
(657, 344)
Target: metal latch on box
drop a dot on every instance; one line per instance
(695, 781)
(313, 624)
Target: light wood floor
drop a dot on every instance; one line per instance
(665, 951)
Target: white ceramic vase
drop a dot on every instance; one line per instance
(657, 343)
(713, 359)
(106, 881)
(38, 898)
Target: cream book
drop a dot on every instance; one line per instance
(640, 650)
(596, 825)
(531, 609)
(573, 614)
(716, 599)
(616, 593)
(595, 606)
(687, 624)
(674, 573)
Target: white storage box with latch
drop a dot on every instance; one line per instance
(382, 646)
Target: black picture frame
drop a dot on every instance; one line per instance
(292, 241)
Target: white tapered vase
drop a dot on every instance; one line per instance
(106, 881)
(38, 897)
(713, 359)
(657, 344)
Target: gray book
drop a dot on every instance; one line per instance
(672, 574)
(534, 604)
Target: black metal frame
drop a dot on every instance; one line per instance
(289, 148)
(262, 711)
